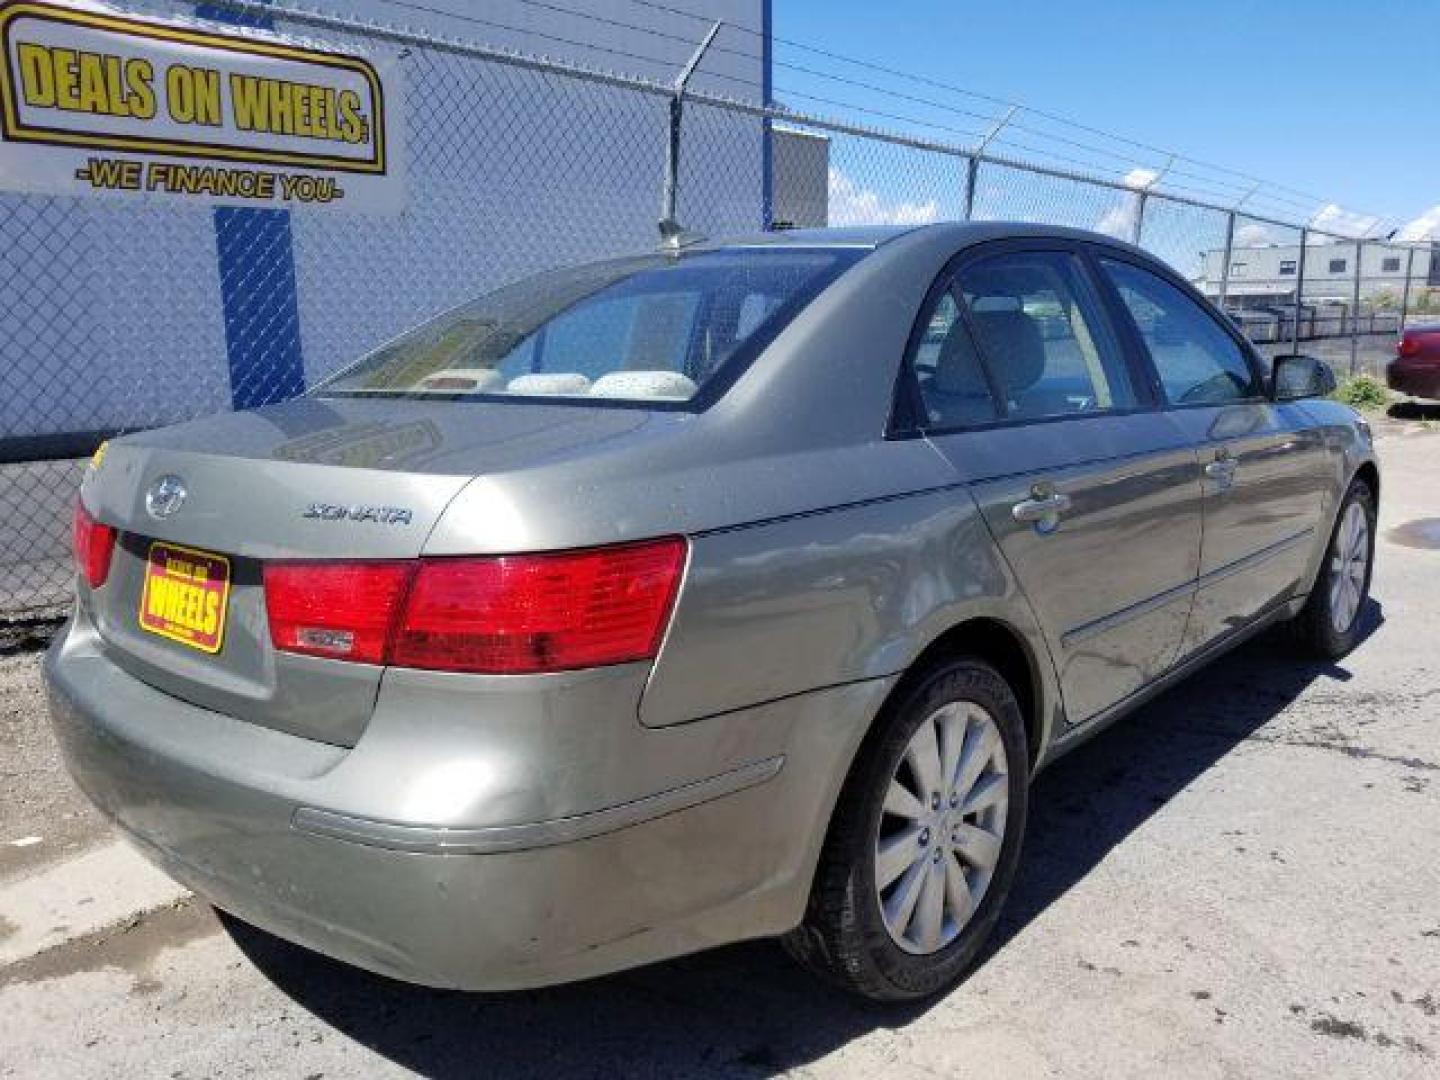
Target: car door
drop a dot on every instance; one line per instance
(1264, 464)
(1092, 494)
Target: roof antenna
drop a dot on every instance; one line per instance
(673, 236)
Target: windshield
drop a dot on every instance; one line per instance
(653, 329)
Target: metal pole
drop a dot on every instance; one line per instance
(1229, 251)
(1139, 222)
(972, 177)
(1355, 307)
(1405, 292)
(972, 167)
(1299, 290)
(670, 228)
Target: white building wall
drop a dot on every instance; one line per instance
(509, 172)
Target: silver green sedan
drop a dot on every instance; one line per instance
(720, 593)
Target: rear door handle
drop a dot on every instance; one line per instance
(1041, 509)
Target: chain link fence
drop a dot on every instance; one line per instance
(123, 315)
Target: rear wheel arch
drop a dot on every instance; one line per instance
(1003, 648)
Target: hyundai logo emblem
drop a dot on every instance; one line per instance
(165, 496)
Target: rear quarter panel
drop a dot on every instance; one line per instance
(786, 606)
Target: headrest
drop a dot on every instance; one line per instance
(957, 368)
(1014, 345)
(666, 385)
(558, 384)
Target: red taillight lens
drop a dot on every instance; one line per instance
(94, 546)
(341, 610)
(508, 614)
(1408, 346)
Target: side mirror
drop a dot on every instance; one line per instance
(1293, 377)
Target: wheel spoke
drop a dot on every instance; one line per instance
(930, 909)
(901, 905)
(954, 727)
(985, 794)
(978, 749)
(902, 803)
(957, 891)
(896, 854)
(979, 848)
(923, 753)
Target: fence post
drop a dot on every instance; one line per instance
(972, 169)
(1299, 289)
(1225, 258)
(671, 232)
(1355, 307)
(1405, 291)
(1139, 216)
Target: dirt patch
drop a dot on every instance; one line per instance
(131, 946)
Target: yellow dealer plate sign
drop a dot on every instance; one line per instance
(99, 102)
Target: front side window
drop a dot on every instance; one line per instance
(653, 329)
(1039, 329)
(1390, 265)
(1287, 267)
(1198, 362)
(1337, 266)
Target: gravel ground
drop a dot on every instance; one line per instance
(1240, 880)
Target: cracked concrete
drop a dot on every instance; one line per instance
(1241, 880)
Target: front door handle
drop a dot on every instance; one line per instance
(1222, 471)
(1041, 510)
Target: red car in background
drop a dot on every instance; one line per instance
(1416, 367)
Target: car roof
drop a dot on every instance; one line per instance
(873, 236)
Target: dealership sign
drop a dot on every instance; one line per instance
(97, 102)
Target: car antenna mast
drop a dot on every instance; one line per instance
(673, 236)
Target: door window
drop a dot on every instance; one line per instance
(1039, 328)
(1198, 362)
(952, 382)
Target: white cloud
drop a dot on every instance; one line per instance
(1140, 179)
(1119, 220)
(1253, 234)
(1424, 227)
(1333, 218)
(852, 204)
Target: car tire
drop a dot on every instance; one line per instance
(854, 931)
(1330, 624)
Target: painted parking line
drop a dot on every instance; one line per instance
(65, 901)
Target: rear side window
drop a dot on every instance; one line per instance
(1039, 328)
(947, 368)
(1198, 362)
(654, 329)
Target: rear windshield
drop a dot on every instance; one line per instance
(658, 330)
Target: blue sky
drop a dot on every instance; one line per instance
(1333, 98)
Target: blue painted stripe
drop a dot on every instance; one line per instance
(257, 286)
(767, 182)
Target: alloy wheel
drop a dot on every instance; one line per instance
(942, 828)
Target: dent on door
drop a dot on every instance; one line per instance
(1107, 552)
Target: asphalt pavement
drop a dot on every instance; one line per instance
(1240, 880)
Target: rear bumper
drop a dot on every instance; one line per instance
(252, 820)
(1417, 380)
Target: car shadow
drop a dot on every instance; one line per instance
(1414, 409)
(745, 1009)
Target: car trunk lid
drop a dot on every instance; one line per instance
(308, 480)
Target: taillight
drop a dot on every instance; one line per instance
(1408, 346)
(342, 610)
(507, 614)
(93, 544)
